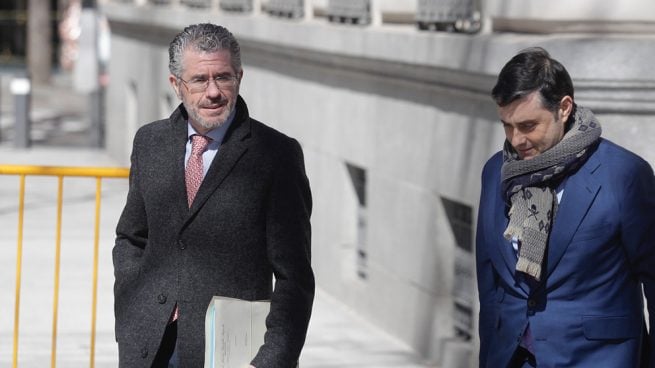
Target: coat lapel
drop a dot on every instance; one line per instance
(580, 191)
(179, 139)
(505, 257)
(234, 145)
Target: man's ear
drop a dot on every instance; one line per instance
(176, 87)
(565, 107)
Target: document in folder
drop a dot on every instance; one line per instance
(234, 331)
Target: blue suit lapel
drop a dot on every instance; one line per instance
(580, 191)
(505, 257)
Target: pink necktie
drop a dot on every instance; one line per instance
(193, 178)
(194, 168)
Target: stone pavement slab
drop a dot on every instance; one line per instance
(339, 338)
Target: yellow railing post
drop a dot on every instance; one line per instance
(19, 262)
(22, 171)
(55, 299)
(96, 243)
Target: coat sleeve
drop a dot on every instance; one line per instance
(288, 237)
(637, 208)
(131, 234)
(486, 287)
(485, 273)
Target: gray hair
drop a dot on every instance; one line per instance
(205, 37)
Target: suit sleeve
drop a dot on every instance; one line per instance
(288, 235)
(486, 289)
(638, 234)
(131, 233)
(484, 269)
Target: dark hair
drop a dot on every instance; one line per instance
(204, 37)
(533, 70)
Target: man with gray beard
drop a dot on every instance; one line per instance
(218, 204)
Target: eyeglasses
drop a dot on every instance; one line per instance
(197, 85)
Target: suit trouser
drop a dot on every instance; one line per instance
(166, 356)
(522, 358)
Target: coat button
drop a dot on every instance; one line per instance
(532, 303)
(161, 298)
(144, 352)
(181, 244)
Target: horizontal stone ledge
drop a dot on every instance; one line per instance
(540, 26)
(614, 97)
(450, 79)
(446, 79)
(453, 73)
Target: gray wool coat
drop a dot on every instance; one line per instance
(249, 221)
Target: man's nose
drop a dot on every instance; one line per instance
(517, 139)
(212, 90)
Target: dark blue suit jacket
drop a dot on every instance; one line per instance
(588, 309)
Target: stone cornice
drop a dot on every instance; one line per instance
(420, 63)
(549, 26)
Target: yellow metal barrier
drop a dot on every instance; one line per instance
(60, 172)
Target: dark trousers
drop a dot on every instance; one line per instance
(522, 358)
(166, 356)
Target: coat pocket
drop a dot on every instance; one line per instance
(611, 328)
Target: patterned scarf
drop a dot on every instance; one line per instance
(529, 186)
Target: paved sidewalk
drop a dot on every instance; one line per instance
(338, 338)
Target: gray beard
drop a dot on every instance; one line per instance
(209, 125)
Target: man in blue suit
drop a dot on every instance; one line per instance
(566, 232)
